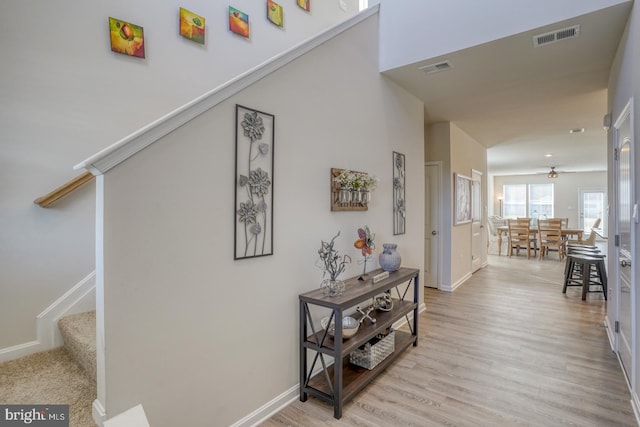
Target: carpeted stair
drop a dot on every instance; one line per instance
(62, 376)
(79, 334)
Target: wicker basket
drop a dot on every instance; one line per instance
(370, 355)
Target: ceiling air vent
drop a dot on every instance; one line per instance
(434, 68)
(556, 36)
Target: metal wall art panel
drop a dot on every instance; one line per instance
(399, 194)
(253, 224)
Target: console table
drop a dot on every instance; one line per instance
(339, 382)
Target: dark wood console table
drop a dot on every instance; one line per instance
(339, 382)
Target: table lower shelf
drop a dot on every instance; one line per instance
(354, 377)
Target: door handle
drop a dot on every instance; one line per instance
(625, 263)
(434, 232)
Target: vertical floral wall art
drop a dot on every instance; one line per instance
(254, 183)
(399, 194)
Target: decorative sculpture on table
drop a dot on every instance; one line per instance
(366, 245)
(332, 264)
(254, 184)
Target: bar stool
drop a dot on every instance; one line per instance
(574, 270)
(583, 248)
(574, 274)
(579, 272)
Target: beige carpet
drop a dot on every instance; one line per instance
(79, 334)
(50, 377)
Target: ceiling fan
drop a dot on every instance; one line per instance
(552, 173)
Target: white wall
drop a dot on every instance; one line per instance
(437, 148)
(64, 95)
(459, 153)
(200, 339)
(466, 154)
(421, 21)
(566, 191)
(624, 84)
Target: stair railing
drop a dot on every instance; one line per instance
(64, 190)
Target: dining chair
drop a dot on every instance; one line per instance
(493, 223)
(591, 239)
(550, 237)
(564, 221)
(519, 236)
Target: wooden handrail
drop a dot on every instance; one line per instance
(64, 190)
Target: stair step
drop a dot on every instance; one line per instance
(79, 334)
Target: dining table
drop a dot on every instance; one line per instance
(566, 234)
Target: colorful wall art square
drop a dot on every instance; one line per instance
(305, 4)
(274, 13)
(126, 38)
(238, 22)
(191, 26)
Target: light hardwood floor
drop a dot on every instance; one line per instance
(507, 348)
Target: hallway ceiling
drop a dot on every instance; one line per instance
(520, 102)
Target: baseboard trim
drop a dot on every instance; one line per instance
(268, 409)
(422, 307)
(98, 412)
(76, 299)
(457, 284)
(635, 404)
(21, 350)
(612, 338)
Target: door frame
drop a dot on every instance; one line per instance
(581, 192)
(627, 112)
(477, 178)
(439, 263)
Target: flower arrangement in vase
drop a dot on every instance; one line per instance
(355, 187)
(332, 264)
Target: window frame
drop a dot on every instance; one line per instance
(526, 203)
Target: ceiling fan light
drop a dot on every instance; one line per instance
(552, 173)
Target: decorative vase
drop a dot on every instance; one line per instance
(389, 258)
(356, 196)
(344, 195)
(365, 196)
(332, 288)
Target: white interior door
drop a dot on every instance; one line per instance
(476, 221)
(625, 213)
(432, 225)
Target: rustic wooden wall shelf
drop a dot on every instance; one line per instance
(336, 205)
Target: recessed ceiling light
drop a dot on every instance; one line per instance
(576, 130)
(548, 155)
